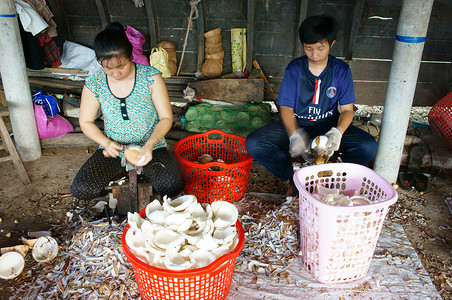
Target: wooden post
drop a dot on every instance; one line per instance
(357, 14)
(60, 19)
(250, 36)
(152, 21)
(302, 15)
(104, 12)
(200, 28)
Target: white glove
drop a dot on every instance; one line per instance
(334, 139)
(298, 143)
(138, 3)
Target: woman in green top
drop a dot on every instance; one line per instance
(136, 109)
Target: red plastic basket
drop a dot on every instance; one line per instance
(211, 282)
(230, 182)
(440, 120)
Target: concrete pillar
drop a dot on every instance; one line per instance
(409, 45)
(15, 84)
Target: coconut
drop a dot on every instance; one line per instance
(213, 48)
(166, 44)
(172, 66)
(131, 153)
(171, 54)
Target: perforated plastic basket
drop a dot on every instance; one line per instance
(211, 282)
(214, 181)
(440, 120)
(338, 242)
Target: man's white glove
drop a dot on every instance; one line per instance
(299, 143)
(334, 139)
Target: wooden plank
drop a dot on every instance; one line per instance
(302, 15)
(357, 14)
(374, 93)
(104, 13)
(200, 33)
(250, 35)
(152, 21)
(60, 19)
(374, 70)
(230, 89)
(68, 140)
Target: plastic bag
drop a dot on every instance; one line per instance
(159, 60)
(137, 40)
(48, 103)
(50, 127)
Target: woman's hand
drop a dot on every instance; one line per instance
(145, 155)
(112, 149)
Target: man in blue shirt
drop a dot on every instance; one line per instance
(316, 98)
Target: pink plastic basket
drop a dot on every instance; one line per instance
(338, 242)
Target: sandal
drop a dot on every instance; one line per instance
(406, 180)
(420, 182)
(417, 153)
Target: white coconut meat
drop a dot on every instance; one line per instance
(45, 249)
(11, 265)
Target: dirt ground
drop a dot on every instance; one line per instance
(23, 208)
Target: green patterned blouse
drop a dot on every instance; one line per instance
(129, 120)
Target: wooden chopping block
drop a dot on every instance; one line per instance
(226, 89)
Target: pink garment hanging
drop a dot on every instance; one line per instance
(137, 40)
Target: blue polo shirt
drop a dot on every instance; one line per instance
(315, 98)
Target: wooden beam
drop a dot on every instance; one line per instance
(200, 28)
(356, 21)
(104, 12)
(302, 15)
(152, 21)
(61, 19)
(250, 35)
(251, 90)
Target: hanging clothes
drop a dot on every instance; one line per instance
(30, 19)
(34, 58)
(44, 11)
(51, 51)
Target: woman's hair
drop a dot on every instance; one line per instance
(318, 28)
(112, 42)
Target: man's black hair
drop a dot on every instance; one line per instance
(318, 28)
(112, 42)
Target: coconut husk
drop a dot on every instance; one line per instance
(212, 68)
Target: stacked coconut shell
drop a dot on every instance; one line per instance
(213, 65)
(170, 48)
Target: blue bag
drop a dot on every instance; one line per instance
(48, 103)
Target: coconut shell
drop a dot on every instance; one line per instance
(218, 55)
(212, 32)
(171, 54)
(214, 39)
(212, 68)
(213, 48)
(172, 66)
(166, 44)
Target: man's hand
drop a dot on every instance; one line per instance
(299, 143)
(334, 139)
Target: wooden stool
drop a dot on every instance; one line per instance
(8, 145)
